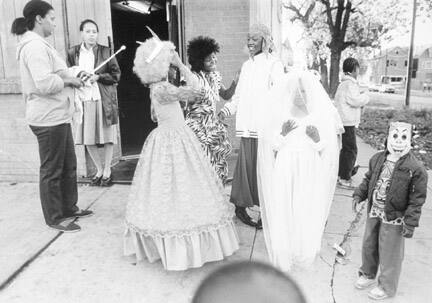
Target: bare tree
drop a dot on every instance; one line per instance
(339, 24)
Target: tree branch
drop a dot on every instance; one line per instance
(310, 9)
(349, 43)
(329, 15)
(346, 17)
(304, 18)
(340, 10)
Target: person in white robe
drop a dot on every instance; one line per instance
(297, 168)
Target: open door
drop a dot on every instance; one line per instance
(75, 12)
(129, 20)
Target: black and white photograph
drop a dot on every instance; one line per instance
(215, 151)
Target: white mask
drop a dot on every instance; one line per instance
(399, 139)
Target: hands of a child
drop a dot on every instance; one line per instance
(287, 127)
(407, 231)
(313, 133)
(356, 204)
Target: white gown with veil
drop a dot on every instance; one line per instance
(296, 176)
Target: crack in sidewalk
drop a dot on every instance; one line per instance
(332, 280)
(29, 261)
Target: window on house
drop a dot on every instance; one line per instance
(427, 65)
(415, 64)
(406, 62)
(391, 62)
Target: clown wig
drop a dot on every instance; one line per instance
(152, 70)
(198, 49)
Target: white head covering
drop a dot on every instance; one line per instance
(263, 31)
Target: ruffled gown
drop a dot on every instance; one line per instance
(177, 211)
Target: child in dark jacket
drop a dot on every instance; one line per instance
(395, 188)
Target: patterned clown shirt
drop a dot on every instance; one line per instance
(380, 193)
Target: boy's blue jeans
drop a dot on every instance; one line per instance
(383, 248)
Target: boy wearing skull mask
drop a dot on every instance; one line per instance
(395, 188)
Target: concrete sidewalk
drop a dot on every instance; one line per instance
(45, 266)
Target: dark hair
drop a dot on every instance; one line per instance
(349, 65)
(198, 49)
(81, 28)
(250, 274)
(31, 10)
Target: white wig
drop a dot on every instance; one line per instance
(153, 69)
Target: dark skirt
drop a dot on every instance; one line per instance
(244, 192)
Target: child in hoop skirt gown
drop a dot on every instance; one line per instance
(177, 211)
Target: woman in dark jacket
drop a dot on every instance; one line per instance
(99, 99)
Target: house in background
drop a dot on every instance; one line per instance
(424, 73)
(121, 23)
(390, 66)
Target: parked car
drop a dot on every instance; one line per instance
(373, 88)
(387, 88)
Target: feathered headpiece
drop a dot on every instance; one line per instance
(153, 58)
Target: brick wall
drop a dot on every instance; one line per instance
(19, 155)
(226, 21)
(19, 158)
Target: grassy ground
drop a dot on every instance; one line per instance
(374, 126)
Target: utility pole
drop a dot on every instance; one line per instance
(410, 56)
(386, 67)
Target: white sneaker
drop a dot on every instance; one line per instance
(377, 293)
(345, 183)
(363, 282)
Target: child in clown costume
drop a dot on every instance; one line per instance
(177, 210)
(395, 189)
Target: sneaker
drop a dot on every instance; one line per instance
(345, 183)
(377, 293)
(66, 228)
(82, 213)
(363, 282)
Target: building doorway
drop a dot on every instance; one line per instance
(129, 21)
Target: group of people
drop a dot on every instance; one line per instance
(288, 164)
